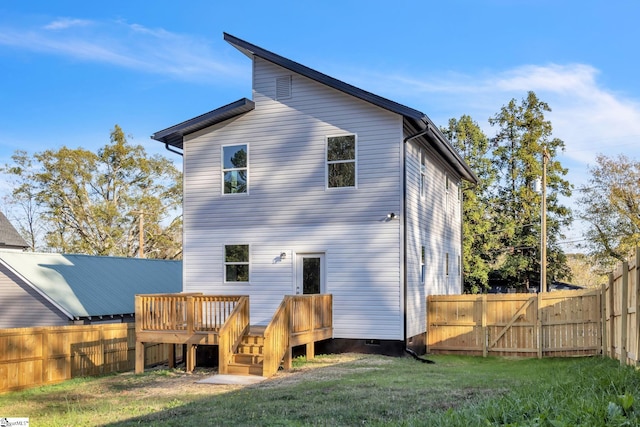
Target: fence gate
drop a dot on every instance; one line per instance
(564, 323)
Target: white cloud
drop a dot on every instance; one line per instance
(587, 116)
(65, 23)
(131, 46)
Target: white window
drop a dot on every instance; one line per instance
(341, 161)
(235, 169)
(423, 173)
(236, 263)
(446, 264)
(422, 264)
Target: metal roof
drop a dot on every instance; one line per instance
(174, 134)
(91, 286)
(9, 236)
(414, 119)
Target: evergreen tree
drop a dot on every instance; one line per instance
(523, 134)
(479, 239)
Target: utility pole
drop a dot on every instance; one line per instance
(543, 226)
(141, 231)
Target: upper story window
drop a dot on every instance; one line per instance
(341, 161)
(423, 173)
(235, 169)
(236, 263)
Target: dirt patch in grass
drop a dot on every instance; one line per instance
(162, 381)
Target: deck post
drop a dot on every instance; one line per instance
(311, 350)
(139, 357)
(172, 356)
(139, 318)
(287, 361)
(191, 357)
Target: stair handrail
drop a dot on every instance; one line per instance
(276, 337)
(231, 333)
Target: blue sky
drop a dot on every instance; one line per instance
(72, 69)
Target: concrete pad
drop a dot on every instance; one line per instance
(232, 379)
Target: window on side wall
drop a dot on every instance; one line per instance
(422, 264)
(341, 161)
(235, 169)
(236, 263)
(446, 264)
(423, 173)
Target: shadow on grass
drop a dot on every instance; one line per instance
(368, 390)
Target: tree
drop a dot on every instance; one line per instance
(523, 134)
(27, 219)
(93, 202)
(610, 204)
(479, 239)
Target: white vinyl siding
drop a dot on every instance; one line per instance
(290, 210)
(430, 223)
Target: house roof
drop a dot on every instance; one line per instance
(9, 236)
(90, 286)
(174, 134)
(417, 120)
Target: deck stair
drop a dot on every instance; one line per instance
(249, 357)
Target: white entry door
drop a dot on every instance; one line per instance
(310, 273)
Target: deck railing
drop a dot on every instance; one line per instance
(192, 312)
(276, 338)
(230, 335)
(197, 319)
(300, 319)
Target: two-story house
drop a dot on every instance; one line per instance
(317, 186)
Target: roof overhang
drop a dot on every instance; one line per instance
(434, 137)
(174, 135)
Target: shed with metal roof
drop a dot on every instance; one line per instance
(47, 289)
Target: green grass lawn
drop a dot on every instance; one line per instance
(352, 390)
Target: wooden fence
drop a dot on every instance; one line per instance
(553, 324)
(44, 355)
(621, 307)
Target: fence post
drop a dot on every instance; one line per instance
(625, 312)
(612, 319)
(485, 330)
(539, 324)
(603, 320)
(637, 314)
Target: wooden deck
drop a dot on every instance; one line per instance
(198, 319)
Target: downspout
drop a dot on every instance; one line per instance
(166, 145)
